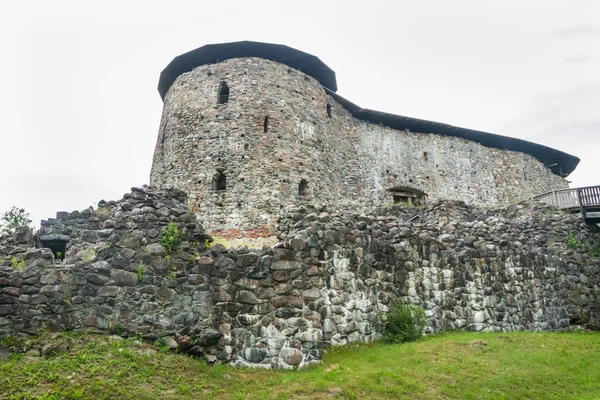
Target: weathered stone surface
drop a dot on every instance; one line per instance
(155, 249)
(6, 309)
(291, 356)
(281, 276)
(312, 294)
(90, 236)
(210, 336)
(247, 297)
(170, 342)
(96, 279)
(255, 354)
(123, 278)
(285, 265)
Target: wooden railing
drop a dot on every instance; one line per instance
(589, 196)
(572, 198)
(563, 198)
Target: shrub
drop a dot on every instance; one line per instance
(572, 241)
(14, 218)
(18, 263)
(140, 272)
(404, 322)
(171, 238)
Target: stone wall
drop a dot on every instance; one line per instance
(348, 164)
(324, 283)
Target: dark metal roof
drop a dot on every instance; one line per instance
(214, 53)
(559, 162)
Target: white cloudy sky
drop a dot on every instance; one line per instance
(80, 109)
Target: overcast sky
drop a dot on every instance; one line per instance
(80, 110)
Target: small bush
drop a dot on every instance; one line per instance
(404, 322)
(572, 241)
(18, 263)
(140, 272)
(171, 238)
(14, 218)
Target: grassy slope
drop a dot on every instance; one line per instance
(456, 365)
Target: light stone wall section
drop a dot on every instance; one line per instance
(446, 167)
(348, 163)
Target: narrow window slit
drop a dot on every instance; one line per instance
(266, 125)
(329, 110)
(302, 187)
(223, 93)
(219, 179)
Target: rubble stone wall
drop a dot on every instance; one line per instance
(347, 163)
(323, 284)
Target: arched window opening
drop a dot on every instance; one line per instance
(219, 179)
(266, 125)
(302, 187)
(329, 110)
(223, 93)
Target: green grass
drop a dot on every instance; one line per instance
(449, 366)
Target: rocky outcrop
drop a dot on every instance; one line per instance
(524, 267)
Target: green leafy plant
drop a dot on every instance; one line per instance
(171, 238)
(593, 248)
(14, 218)
(161, 345)
(118, 328)
(404, 322)
(572, 241)
(18, 263)
(140, 271)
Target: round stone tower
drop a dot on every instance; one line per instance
(246, 136)
(248, 128)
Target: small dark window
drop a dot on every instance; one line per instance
(219, 181)
(266, 125)
(329, 110)
(425, 155)
(402, 199)
(223, 93)
(302, 186)
(58, 247)
(406, 196)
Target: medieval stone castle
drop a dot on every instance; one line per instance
(250, 127)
